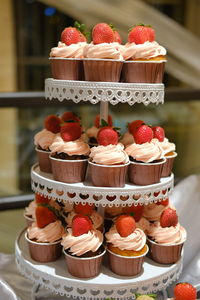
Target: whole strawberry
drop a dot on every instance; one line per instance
(81, 224)
(185, 291)
(143, 134)
(102, 33)
(125, 225)
(135, 211)
(41, 199)
(106, 136)
(141, 34)
(69, 116)
(44, 216)
(134, 125)
(71, 131)
(97, 122)
(158, 133)
(52, 123)
(117, 37)
(70, 35)
(168, 218)
(84, 209)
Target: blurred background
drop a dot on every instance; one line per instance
(29, 29)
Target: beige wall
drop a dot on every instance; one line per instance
(8, 116)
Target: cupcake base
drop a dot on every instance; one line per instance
(43, 160)
(66, 68)
(168, 165)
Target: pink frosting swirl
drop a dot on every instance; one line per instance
(152, 212)
(77, 147)
(135, 241)
(147, 50)
(71, 51)
(96, 218)
(49, 234)
(78, 245)
(143, 224)
(167, 235)
(165, 145)
(44, 139)
(30, 209)
(92, 132)
(109, 155)
(147, 152)
(103, 51)
(127, 139)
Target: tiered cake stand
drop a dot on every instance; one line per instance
(54, 276)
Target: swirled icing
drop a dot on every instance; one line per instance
(71, 51)
(44, 139)
(147, 152)
(77, 147)
(109, 155)
(49, 234)
(135, 241)
(146, 51)
(103, 51)
(78, 245)
(30, 209)
(165, 145)
(143, 224)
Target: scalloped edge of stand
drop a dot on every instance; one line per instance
(44, 184)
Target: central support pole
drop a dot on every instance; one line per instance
(104, 111)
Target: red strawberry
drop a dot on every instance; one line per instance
(106, 136)
(84, 209)
(44, 216)
(163, 202)
(134, 125)
(143, 134)
(135, 211)
(52, 123)
(70, 35)
(81, 224)
(71, 131)
(185, 291)
(82, 37)
(125, 225)
(69, 116)
(158, 133)
(41, 199)
(168, 218)
(117, 37)
(97, 121)
(102, 33)
(141, 34)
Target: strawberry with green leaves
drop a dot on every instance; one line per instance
(143, 134)
(134, 125)
(71, 131)
(69, 116)
(52, 123)
(141, 34)
(107, 136)
(98, 123)
(81, 224)
(102, 33)
(73, 35)
(45, 215)
(125, 225)
(168, 218)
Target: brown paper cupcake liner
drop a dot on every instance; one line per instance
(143, 72)
(126, 265)
(168, 165)
(145, 173)
(44, 252)
(68, 171)
(102, 69)
(43, 160)
(108, 176)
(67, 68)
(165, 254)
(84, 267)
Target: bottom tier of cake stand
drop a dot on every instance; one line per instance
(54, 276)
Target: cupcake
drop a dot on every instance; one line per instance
(146, 158)
(166, 238)
(93, 131)
(144, 57)
(29, 212)
(69, 154)
(43, 140)
(66, 58)
(44, 235)
(83, 248)
(126, 246)
(108, 162)
(102, 57)
(127, 137)
(168, 150)
(153, 211)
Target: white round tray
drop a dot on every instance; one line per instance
(112, 92)
(54, 276)
(44, 184)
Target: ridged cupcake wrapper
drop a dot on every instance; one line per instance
(145, 173)
(84, 267)
(168, 165)
(143, 72)
(29, 220)
(43, 160)
(66, 69)
(125, 265)
(102, 70)
(69, 171)
(165, 254)
(108, 176)
(44, 252)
